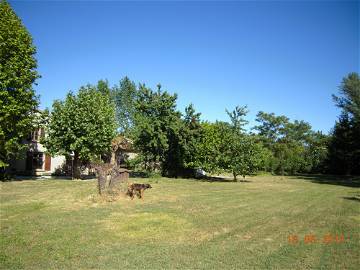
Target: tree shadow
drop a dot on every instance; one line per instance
(243, 181)
(356, 199)
(137, 174)
(20, 178)
(347, 181)
(217, 179)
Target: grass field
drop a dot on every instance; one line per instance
(183, 224)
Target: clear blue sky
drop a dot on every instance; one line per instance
(284, 57)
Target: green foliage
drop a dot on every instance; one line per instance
(18, 101)
(242, 155)
(349, 101)
(124, 96)
(237, 117)
(103, 87)
(157, 125)
(226, 147)
(267, 159)
(210, 146)
(271, 127)
(316, 153)
(190, 136)
(83, 123)
(167, 142)
(135, 163)
(344, 146)
(294, 146)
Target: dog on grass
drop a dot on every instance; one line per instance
(137, 189)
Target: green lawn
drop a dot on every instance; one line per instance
(182, 224)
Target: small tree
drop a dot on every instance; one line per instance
(243, 155)
(83, 123)
(240, 153)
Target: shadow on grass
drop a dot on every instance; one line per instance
(210, 179)
(218, 179)
(134, 174)
(214, 179)
(52, 177)
(347, 181)
(21, 178)
(356, 199)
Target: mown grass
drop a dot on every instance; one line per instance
(182, 224)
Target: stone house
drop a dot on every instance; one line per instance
(35, 161)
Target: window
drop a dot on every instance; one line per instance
(37, 134)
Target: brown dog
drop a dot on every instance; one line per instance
(137, 189)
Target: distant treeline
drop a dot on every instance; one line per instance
(176, 143)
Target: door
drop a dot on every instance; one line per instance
(47, 162)
(29, 161)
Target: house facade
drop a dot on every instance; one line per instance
(35, 161)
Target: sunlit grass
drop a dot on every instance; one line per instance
(185, 224)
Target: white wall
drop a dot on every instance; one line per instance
(57, 162)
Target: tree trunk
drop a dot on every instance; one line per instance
(113, 158)
(235, 177)
(76, 169)
(348, 168)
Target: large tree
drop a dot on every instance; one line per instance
(227, 147)
(344, 146)
(156, 127)
(18, 101)
(316, 152)
(349, 99)
(83, 123)
(289, 142)
(191, 134)
(184, 145)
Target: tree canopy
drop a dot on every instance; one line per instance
(83, 123)
(155, 121)
(344, 145)
(18, 101)
(124, 96)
